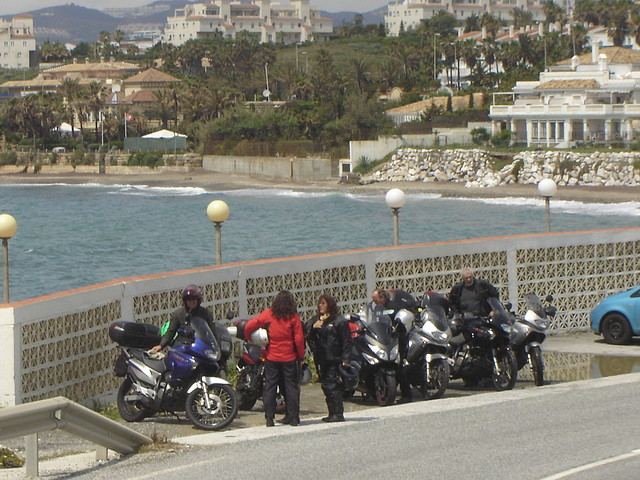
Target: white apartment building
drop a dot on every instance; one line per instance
(17, 42)
(589, 98)
(269, 21)
(408, 14)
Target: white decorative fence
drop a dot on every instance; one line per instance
(58, 345)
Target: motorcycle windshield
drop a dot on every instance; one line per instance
(534, 304)
(381, 332)
(203, 332)
(500, 315)
(436, 316)
(376, 314)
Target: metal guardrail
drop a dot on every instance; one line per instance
(28, 419)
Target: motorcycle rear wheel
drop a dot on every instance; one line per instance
(435, 384)
(385, 386)
(537, 366)
(246, 400)
(505, 377)
(224, 407)
(129, 407)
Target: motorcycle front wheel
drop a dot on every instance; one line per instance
(436, 379)
(221, 411)
(504, 377)
(385, 385)
(129, 405)
(537, 366)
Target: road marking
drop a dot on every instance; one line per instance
(589, 466)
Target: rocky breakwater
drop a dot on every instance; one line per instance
(476, 168)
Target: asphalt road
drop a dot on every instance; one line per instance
(542, 433)
(578, 430)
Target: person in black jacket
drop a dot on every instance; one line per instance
(180, 318)
(329, 339)
(471, 295)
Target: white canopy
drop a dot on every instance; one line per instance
(164, 134)
(66, 128)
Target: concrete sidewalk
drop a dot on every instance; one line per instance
(585, 343)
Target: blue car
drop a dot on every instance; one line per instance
(617, 317)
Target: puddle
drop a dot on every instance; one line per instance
(569, 367)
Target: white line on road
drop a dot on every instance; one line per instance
(589, 466)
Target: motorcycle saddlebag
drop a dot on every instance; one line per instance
(134, 334)
(120, 367)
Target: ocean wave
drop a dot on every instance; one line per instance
(563, 206)
(147, 191)
(277, 192)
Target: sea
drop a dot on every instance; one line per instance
(71, 236)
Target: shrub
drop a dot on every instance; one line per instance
(145, 159)
(9, 458)
(8, 158)
(501, 139)
(480, 136)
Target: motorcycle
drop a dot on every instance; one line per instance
(250, 368)
(375, 354)
(528, 333)
(480, 349)
(186, 379)
(427, 363)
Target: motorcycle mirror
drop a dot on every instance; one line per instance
(230, 314)
(549, 298)
(508, 306)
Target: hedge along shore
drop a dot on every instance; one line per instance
(217, 182)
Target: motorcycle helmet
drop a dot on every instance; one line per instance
(240, 324)
(349, 375)
(191, 291)
(304, 375)
(405, 317)
(260, 337)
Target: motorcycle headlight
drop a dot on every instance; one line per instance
(379, 352)
(507, 328)
(440, 337)
(212, 354)
(543, 323)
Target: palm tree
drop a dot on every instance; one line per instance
(96, 93)
(69, 88)
(521, 17)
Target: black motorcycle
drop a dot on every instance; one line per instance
(186, 379)
(480, 349)
(528, 333)
(427, 363)
(375, 354)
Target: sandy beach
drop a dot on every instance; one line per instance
(219, 182)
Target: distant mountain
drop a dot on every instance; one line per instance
(72, 23)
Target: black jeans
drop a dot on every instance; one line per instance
(332, 387)
(276, 373)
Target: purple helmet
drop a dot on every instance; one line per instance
(191, 291)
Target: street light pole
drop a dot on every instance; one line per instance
(395, 199)
(218, 212)
(547, 188)
(434, 55)
(8, 227)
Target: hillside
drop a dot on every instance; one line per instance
(72, 23)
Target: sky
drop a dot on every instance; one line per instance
(8, 7)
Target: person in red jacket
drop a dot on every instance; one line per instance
(284, 355)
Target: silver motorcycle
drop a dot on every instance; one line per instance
(528, 333)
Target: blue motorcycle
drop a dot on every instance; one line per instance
(186, 379)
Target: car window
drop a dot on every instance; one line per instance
(635, 294)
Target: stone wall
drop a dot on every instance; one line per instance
(475, 168)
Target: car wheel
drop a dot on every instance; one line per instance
(616, 329)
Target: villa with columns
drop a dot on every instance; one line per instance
(594, 98)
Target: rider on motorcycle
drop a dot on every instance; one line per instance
(181, 318)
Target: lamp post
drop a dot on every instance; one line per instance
(218, 212)
(8, 227)
(434, 55)
(395, 200)
(547, 188)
